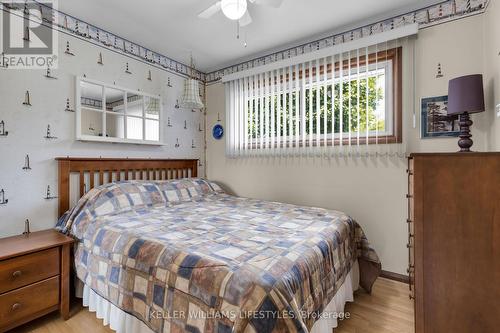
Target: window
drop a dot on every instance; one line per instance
(111, 114)
(321, 103)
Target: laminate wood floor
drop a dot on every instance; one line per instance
(387, 310)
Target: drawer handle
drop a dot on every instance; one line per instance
(410, 243)
(16, 274)
(16, 306)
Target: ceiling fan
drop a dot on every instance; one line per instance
(237, 9)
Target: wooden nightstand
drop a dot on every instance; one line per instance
(34, 277)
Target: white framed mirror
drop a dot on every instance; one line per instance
(108, 113)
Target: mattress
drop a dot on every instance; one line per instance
(184, 256)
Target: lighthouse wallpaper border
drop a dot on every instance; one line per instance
(434, 120)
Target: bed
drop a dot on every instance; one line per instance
(182, 255)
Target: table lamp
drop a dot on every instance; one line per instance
(465, 96)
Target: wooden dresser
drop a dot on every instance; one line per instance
(454, 241)
(34, 277)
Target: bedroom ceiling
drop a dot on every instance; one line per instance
(173, 29)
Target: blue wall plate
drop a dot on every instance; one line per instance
(218, 132)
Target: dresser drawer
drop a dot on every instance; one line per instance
(23, 270)
(22, 303)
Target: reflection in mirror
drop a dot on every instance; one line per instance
(91, 96)
(117, 114)
(152, 107)
(134, 128)
(91, 122)
(134, 105)
(115, 126)
(152, 130)
(134, 116)
(152, 114)
(115, 100)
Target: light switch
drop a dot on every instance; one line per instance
(498, 110)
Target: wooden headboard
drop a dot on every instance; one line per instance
(97, 171)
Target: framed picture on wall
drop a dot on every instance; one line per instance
(434, 119)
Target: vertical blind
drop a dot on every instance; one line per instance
(344, 104)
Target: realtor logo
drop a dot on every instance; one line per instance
(28, 40)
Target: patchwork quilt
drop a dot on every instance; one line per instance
(184, 256)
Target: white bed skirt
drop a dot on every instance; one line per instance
(122, 322)
(117, 319)
(336, 306)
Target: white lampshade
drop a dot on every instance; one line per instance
(191, 96)
(234, 9)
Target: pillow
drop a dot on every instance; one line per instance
(123, 196)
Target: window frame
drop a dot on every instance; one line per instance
(392, 60)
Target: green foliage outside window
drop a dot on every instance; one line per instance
(257, 121)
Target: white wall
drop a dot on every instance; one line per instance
(27, 127)
(492, 71)
(372, 191)
(459, 47)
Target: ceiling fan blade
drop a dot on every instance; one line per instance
(245, 20)
(270, 3)
(210, 11)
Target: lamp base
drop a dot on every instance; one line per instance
(465, 141)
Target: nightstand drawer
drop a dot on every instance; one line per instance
(23, 303)
(23, 270)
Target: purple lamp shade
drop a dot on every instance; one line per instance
(466, 94)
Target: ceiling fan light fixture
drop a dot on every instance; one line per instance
(234, 9)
